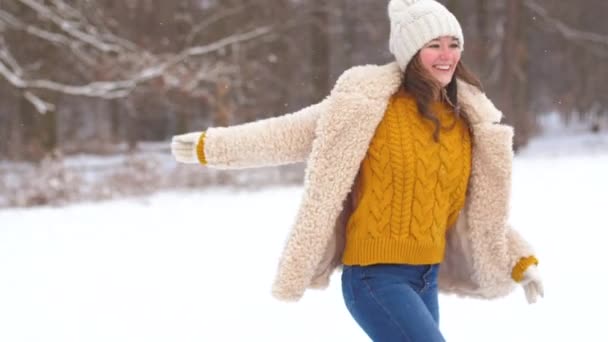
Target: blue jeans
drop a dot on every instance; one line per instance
(394, 302)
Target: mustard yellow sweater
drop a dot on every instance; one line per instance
(410, 188)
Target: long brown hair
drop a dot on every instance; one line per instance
(426, 90)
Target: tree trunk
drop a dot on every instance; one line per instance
(132, 125)
(223, 105)
(115, 121)
(513, 99)
(480, 55)
(183, 121)
(349, 27)
(320, 58)
(48, 131)
(31, 147)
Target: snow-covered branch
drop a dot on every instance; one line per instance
(89, 35)
(220, 44)
(95, 89)
(41, 106)
(51, 37)
(565, 30)
(6, 57)
(160, 67)
(222, 14)
(76, 45)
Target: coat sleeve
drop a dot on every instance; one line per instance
(269, 142)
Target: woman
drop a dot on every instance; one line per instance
(406, 187)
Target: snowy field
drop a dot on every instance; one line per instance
(198, 266)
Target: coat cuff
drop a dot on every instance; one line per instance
(522, 265)
(200, 149)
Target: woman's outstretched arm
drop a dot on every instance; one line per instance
(274, 141)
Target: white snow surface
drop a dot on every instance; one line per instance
(198, 266)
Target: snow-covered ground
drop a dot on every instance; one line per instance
(198, 266)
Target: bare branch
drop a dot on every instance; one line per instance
(220, 44)
(66, 9)
(121, 88)
(74, 45)
(72, 29)
(95, 89)
(7, 57)
(565, 30)
(51, 37)
(41, 106)
(211, 20)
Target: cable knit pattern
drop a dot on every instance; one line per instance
(410, 188)
(382, 189)
(459, 177)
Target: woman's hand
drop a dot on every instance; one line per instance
(532, 284)
(184, 147)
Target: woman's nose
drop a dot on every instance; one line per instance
(444, 52)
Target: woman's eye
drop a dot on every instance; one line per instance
(454, 46)
(434, 46)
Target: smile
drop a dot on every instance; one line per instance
(442, 67)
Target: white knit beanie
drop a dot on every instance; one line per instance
(416, 22)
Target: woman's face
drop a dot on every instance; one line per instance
(440, 57)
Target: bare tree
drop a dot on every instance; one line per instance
(112, 72)
(93, 61)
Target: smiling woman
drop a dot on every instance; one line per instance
(407, 183)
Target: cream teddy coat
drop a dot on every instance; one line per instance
(333, 136)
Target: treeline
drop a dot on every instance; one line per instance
(103, 76)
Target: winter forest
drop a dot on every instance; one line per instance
(114, 80)
(105, 237)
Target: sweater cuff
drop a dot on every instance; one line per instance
(522, 265)
(200, 149)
